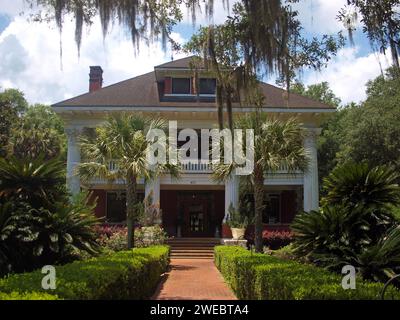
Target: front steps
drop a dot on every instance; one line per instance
(193, 248)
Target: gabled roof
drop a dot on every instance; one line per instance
(143, 91)
(183, 63)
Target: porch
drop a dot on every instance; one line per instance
(199, 211)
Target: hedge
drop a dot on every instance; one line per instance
(262, 277)
(130, 274)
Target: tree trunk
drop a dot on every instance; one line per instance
(259, 206)
(130, 207)
(229, 110)
(220, 107)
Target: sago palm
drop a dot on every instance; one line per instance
(276, 144)
(36, 181)
(122, 139)
(359, 185)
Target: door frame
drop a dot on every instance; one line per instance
(190, 198)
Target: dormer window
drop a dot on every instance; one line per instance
(207, 86)
(181, 86)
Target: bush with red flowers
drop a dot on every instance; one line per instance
(274, 240)
(277, 239)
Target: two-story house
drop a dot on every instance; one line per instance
(195, 202)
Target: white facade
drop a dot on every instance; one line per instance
(151, 94)
(196, 176)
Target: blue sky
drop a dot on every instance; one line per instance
(30, 54)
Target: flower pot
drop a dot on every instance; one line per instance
(226, 231)
(238, 233)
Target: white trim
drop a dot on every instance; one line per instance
(151, 109)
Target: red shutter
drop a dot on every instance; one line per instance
(193, 86)
(168, 85)
(101, 196)
(288, 202)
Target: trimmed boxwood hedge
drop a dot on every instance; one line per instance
(262, 277)
(130, 274)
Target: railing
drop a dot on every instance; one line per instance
(283, 169)
(198, 167)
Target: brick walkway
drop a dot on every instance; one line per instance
(193, 280)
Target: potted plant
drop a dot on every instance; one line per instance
(237, 222)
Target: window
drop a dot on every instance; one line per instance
(116, 206)
(272, 211)
(181, 86)
(208, 86)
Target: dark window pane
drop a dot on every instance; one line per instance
(207, 86)
(116, 206)
(181, 86)
(271, 214)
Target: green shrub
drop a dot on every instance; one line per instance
(356, 224)
(130, 274)
(31, 237)
(263, 277)
(27, 296)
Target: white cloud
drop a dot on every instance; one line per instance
(12, 7)
(319, 16)
(30, 55)
(221, 11)
(348, 73)
(32, 61)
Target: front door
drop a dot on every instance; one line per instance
(196, 219)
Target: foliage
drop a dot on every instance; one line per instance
(12, 104)
(30, 237)
(16, 99)
(122, 139)
(35, 181)
(329, 142)
(355, 225)
(276, 144)
(150, 236)
(130, 274)
(359, 185)
(151, 213)
(320, 92)
(271, 239)
(242, 49)
(263, 277)
(381, 23)
(27, 296)
(143, 20)
(366, 132)
(277, 239)
(237, 219)
(114, 238)
(285, 253)
(29, 131)
(38, 132)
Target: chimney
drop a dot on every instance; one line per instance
(95, 78)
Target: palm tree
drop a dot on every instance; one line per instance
(276, 143)
(38, 182)
(122, 139)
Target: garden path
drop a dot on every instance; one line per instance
(193, 279)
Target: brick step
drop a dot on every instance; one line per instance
(194, 240)
(173, 242)
(192, 250)
(194, 245)
(192, 258)
(191, 255)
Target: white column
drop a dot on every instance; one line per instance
(231, 194)
(310, 186)
(73, 159)
(152, 188)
